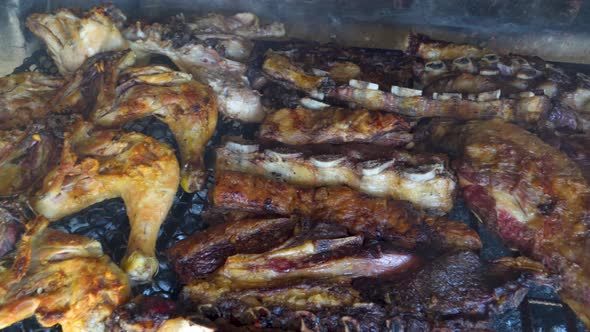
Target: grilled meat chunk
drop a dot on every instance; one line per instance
(242, 24)
(98, 165)
(24, 98)
(429, 49)
(25, 157)
(425, 181)
(226, 77)
(61, 279)
(188, 107)
(303, 126)
(531, 194)
(73, 38)
(14, 213)
(360, 214)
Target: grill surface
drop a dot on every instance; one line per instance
(107, 222)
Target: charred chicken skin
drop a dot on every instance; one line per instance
(531, 194)
(98, 165)
(188, 107)
(73, 38)
(425, 181)
(373, 217)
(62, 279)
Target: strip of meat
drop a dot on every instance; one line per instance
(61, 279)
(188, 107)
(244, 24)
(302, 126)
(427, 184)
(71, 39)
(99, 165)
(205, 251)
(429, 49)
(524, 110)
(532, 195)
(360, 214)
(24, 98)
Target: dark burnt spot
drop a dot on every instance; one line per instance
(547, 208)
(268, 204)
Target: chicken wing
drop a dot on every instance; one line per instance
(24, 98)
(302, 126)
(62, 279)
(188, 107)
(531, 194)
(226, 77)
(98, 165)
(73, 38)
(425, 181)
(374, 217)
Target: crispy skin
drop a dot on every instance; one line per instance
(425, 181)
(93, 84)
(525, 110)
(188, 107)
(429, 49)
(24, 98)
(303, 126)
(374, 217)
(205, 251)
(226, 77)
(532, 195)
(281, 68)
(98, 165)
(62, 279)
(71, 39)
(25, 157)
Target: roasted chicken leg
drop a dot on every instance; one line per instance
(98, 165)
(62, 279)
(188, 107)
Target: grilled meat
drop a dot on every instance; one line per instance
(73, 38)
(25, 157)
(525, 110)
(205, 251)
(302, 126)
(575, 147)
(14, 213)
(93, 84)
(226, 77)
(188, 107)
(98, 165)
(61, 279)
(360, 214)
(531, 194)
(429, 49)
(24, 98)
(242, 24)
(425, 181)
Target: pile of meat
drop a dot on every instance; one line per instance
(332, 216)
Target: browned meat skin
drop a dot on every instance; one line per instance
(531, 194)
(461, 83)
(576, 146)
(25, 157)
(525, 110)
(93, 84)
(24, 98)
(455, 284)
(61, 279)
(303, 126)
(205, 251)
(188, 107)
(72, 39)
(98, 165)
(429, 49)
(423, 180)
(360, 214)
(142, 313)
